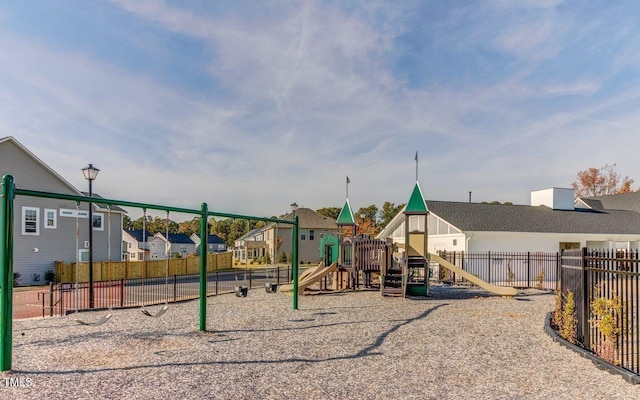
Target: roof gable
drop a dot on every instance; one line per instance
(622, 201)
(38, 161)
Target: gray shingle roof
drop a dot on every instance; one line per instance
(179, 238)
(521, 218)
(137, 234)
(622, 201)
(309, 219)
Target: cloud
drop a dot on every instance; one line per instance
(293, 96)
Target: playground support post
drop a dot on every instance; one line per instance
(204, 237)
(294, 262)
(6, 271)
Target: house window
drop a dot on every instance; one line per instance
(83, 255)
(311, 234)
(303, 234)
(97, 222)
(30, 221)
(455, 242)
(50, 220)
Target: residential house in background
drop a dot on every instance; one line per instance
(276, 239)
(44, 229)
(250, 246)
(175, 245)
(214, 243)
(134, 245)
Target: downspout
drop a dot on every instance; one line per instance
(466, 248)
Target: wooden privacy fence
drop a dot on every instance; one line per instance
(102, 271)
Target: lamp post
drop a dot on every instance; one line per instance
(90, 173)
(294, 207)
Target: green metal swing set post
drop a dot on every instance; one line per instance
(6, 272)
(9, 191)
(204, 236)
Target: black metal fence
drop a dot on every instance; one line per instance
(515, 269)
(609, 279)
(65, 297)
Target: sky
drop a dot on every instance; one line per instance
(251, 106)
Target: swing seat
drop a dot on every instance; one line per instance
(270, 287)
(156, 315)
(98, 322)
(241, 291)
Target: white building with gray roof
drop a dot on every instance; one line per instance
(552, 223)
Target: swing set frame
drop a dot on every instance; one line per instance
(7, 215)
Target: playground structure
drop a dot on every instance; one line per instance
(400, 269)
(7, 196)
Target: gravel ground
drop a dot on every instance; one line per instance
(461, 343)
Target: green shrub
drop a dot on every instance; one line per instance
(609, 320)
(569, 327)
(282, 258)
(50, 276)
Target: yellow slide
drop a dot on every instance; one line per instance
(499, 290)
(309, 277)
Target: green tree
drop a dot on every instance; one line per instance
(389, 210)
(331, 212)
(222, 228)
(127, 223)
(190, 227)
(369, 213)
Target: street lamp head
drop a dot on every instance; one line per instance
(90, 172)
(294, 207)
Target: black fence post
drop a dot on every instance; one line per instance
(559, 271)
(278, 274)
(175, 287)
(51, 297)
(489, 266)
(250, 279)
(585, 301)
(529, 269)
(216, 280)
(122, 292)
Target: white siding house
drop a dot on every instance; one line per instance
(44, 229)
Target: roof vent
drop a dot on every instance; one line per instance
(555, 198)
